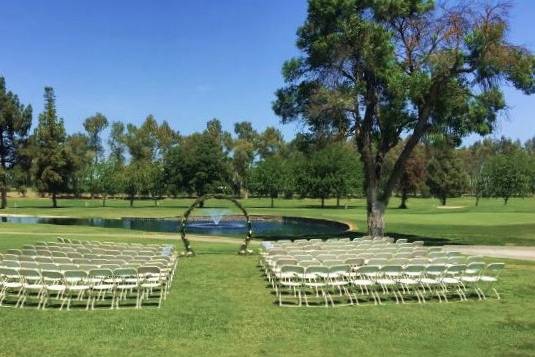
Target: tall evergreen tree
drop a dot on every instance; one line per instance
(53, 165)
(15, 122)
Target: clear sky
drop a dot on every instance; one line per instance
(182, 61)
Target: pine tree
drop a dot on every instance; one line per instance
(53, 164)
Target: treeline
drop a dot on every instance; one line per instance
(154, 161)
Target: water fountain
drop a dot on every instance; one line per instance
(215, 219)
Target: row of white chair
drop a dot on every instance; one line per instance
(97, 285)
(349, 285)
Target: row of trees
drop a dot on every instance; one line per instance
(153, 160)
(489, 168)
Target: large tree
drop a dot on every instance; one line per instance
(383, 70)
(94, 125)
(508, 175)
(243, 155)
(53, 164)
(446, 176)
(269, 177)
(199, 165)
(15, 122)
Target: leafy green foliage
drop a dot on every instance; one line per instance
(446, 175)
(53, 162)
(333, 171)
(199, 165)
(376, 70)
(15, 122)
(508, 175)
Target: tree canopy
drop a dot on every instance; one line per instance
(382, 70)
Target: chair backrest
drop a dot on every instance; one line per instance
(125, 273)
(455, 269)
(100, 273)
(148, 271)
(439, 260)
(52, 276)
(391, 269)
(414, 269)
(318, 271)
(338, 270)
(354, 262)
(75, 275)
(333, 262)
(282, 262)
(48, 266)
(10, 264)
(435, 270)
(9, 273)
(30, 274)
(368, 270)
(293, 269)
(307, 263)
(494, 269)
(376, 261)
(474, 268)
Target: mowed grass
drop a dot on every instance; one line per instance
(220, 305)
(490, 223)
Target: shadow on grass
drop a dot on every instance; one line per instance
(428, 241)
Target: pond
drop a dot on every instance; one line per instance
(263, 226)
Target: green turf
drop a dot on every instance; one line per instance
(489, 223)
(220, 305)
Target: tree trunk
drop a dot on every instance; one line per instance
(376, 222)
(103, 201)
(505, 201)
(323, 202)
(337, 201)
(155, 202)
(54, 200)
(477, 201)
(4, 195)
(443, 200)
(272, 202)
(131, 201)
(404, 199)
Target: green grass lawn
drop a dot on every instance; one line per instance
(489, 223)
(220, 305)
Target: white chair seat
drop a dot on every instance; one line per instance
(450, 281)
(470, 279)
(386, 282)
(429, 281)
(362, 282)
(55, 287)
(488, 279)
(103, 287)
(13, 285)
(408, 281)
(338, 283)
(290, 283)
(78, 287)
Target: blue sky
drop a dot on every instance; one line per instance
(182, 61)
